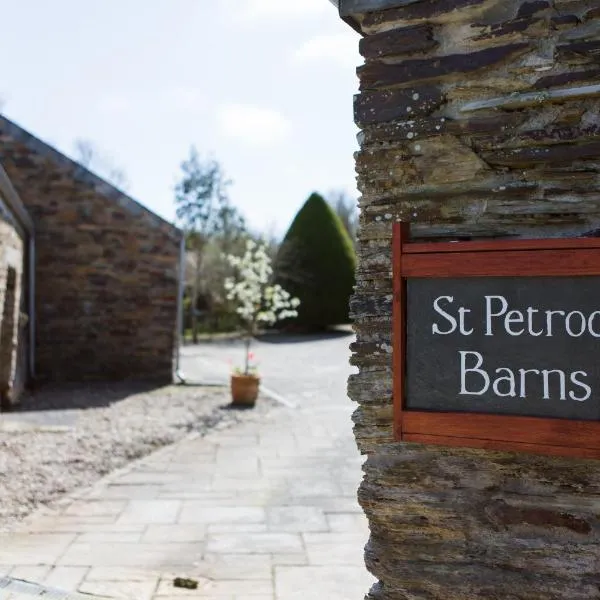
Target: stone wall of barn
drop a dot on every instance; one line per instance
(478, 119)
(106, 270)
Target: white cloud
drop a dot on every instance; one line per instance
(253, 125)
(114, 103)
(179, 98)
(184, 98)
(341, 48)
(276, 9)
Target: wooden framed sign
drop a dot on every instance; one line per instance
(497, 344)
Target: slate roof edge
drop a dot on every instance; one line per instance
(10, 199)
(349, 19)
(80, 173)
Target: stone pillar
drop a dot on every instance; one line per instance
(479, 119)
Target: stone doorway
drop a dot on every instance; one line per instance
(8, 324)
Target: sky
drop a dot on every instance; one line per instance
(263, 86)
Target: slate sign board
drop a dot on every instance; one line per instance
(496, 344)
(527, 346)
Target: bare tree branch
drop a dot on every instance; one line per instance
(213, 227)
(84, 151)
(88, 155)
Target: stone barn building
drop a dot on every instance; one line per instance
(87, 274)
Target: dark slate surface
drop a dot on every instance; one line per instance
(434, 360)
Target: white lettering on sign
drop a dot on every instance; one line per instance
(498, 318)
(462, 312)
(478, 378)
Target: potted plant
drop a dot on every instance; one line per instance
(245, 382)
(258, 302)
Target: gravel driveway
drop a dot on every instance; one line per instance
(64, 438)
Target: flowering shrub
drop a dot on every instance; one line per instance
(258, 301)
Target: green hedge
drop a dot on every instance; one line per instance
(316, 263)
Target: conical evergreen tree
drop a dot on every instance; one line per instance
(316, 263)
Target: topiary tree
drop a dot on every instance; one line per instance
(316, 263)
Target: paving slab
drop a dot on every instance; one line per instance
(333, 583)
(66, 578)
(192, 512)
(24, 549)
(151, 511)
(265, 510)
(30, 572)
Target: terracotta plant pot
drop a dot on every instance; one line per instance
(244, 390)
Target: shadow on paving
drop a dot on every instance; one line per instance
(272, 337)
(300, 338)
(81, 396)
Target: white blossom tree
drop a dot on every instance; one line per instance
(258, 301)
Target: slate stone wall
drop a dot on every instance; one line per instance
(478, 119)
(106, 270)
(11, 271)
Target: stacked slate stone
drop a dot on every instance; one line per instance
(478, 119)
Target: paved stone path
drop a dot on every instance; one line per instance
(262, 511)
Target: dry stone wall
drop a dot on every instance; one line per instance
(479, 119)
(106, 269)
